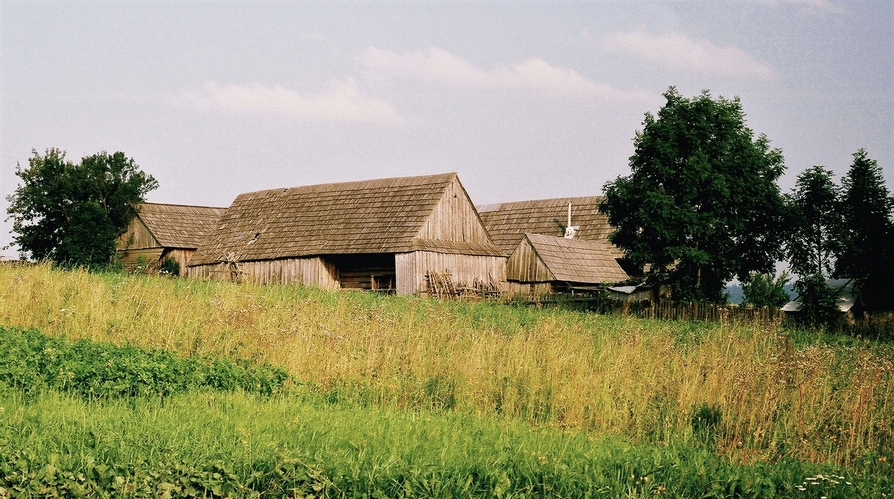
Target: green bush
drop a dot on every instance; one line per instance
(169, 266)
(31, 361)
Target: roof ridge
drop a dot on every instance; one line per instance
(491, 207)
(182, 205)
(417, 179)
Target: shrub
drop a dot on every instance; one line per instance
(762, 290)
(31, 361)
(169, 267)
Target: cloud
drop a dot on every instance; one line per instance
(342, 102)
(438, 67)
(680, 53)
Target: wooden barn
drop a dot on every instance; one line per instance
(555, 245)
(395, 234)
(549, 264)
(165, 231)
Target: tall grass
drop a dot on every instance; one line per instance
(749, 392)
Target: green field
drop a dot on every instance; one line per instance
(137, 386)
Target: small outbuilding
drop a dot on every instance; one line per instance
(556, 245)
(402, 235)
(508, 223)
(543, 264)
(162, 232)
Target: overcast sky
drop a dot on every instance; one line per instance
(525, 100)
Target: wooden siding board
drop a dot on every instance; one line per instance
(464, 270)
(455, 218)
(181, 256)
(149, 257)
(530, 290)
(409, 271)
(313, 271)
(137, 237)
(525, 265)
(406, 271)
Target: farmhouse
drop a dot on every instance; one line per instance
(396, 234)
(165, 231)
(556, 245)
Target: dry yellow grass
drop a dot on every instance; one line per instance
(642, 379)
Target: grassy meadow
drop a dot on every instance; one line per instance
(416, 397)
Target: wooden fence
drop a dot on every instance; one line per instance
(665, 310)
(668, 310)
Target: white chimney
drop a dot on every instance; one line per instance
(570, 230)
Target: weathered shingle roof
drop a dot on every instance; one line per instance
(179, 226)
(577, 260)
(507, 223)
(373, 216)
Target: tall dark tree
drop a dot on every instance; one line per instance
(701, 204)
(71, 213)
(866, 239)
(814, 224)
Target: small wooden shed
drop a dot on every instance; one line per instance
(548, 264)
(165, 231)
(508, 223)
(390, 234)
(542, 260)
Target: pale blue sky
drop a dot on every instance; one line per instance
(524, 100)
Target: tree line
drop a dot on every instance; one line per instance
(702, 206)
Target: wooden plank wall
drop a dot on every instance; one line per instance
(137, 236)
(528, 290)
(312, 271)
(454, 219)
(464, 269)
(525, 266)
(147, 258)
(181, 256)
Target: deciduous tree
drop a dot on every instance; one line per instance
(71, 213)
(701, 204)
(765, 290)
